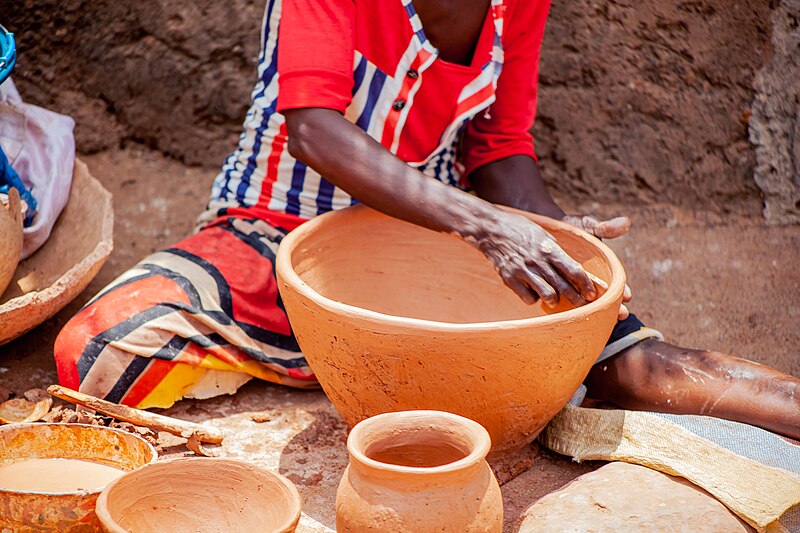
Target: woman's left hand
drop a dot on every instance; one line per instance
(605, 229)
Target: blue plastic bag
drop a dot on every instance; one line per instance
(10, 178)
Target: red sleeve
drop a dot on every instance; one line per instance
(315, 54)
(507, 131)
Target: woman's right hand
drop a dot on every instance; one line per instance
(531, 263)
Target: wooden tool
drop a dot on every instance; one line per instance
(181, 428)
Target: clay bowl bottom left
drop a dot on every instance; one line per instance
(394, 317)
(195, 495)
(66, 512)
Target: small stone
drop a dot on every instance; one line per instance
(5, 393)
(626, 497)
(35, 395)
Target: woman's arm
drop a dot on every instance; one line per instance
(516, 182)
(524, 255)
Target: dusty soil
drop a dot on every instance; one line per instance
(723, 282)
(648, 102)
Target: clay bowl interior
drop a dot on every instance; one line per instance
(59, 510)
(395, 317)
(79, 244)
(380, 264)
(200, 494)
(418, 441)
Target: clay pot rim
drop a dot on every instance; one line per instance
(149, 447)
(287, 274)
(110, 525)
(482, 442)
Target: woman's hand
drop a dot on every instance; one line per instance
(602, 229)
(530, 262)
(605, 229)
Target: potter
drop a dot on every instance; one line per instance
(400, 105)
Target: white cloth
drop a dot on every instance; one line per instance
(40, 146)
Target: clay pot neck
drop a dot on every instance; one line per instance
(417, 447)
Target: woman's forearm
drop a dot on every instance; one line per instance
(525, 256)
(515, 182)
(356, 163)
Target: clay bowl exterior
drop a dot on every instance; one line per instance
(395, 317)
(79, 244)
(66, 512)
(10, 238)
(421, 471)
(200, 494)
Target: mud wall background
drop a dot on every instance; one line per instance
(691, 102)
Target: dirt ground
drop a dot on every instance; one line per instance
(705, 280)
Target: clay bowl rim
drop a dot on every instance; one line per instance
(103, 514)
(286, 271)
(149, 447)
(476, 455)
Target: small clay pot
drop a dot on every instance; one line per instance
(197, 495)
(10, 237)
(419, 471)
(392, 317)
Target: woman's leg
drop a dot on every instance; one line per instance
(196, 318)
(656, 376)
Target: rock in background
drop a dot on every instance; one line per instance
(775, 124)
(639, 101)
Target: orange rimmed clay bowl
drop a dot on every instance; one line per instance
(69, 512)
(78, 246)
(195, 495)
(394, 317)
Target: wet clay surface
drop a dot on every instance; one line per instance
(57, 475)
(725, 283)
(417, 455)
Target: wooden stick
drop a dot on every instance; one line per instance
(181, 428)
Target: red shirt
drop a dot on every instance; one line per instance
(371, 60)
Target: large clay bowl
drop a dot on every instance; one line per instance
(196, 495)
(79, 244)
(10, 238)
(394, 317)
(67, 512)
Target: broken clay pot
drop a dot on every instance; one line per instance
(67, 511)
(200, 494)
(10, 237)
(392, 316)
(79, 244)
(420, 471)
(20, 410)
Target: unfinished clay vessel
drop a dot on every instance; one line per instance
(393, 317)
(10, 237)
(79, 244)
(199, 495)
(421, 471)
(63, 511)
